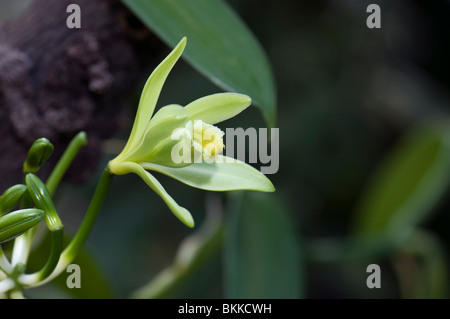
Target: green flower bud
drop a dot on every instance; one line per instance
(17, 222)
(38, 154)
(11, 198)
(43, 200)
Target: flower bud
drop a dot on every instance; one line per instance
(17, 222)
(43, 200)
(11, 198)
(38, 154)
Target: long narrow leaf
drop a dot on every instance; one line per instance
(220, 45)
(408, 183)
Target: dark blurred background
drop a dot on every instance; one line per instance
(346, 94)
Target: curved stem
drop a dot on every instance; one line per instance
(55, 253)
(95, 205)
(42, 199)
(75, 246)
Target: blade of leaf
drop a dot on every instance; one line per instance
(220, 45)
(228, 174)
(409, 182)
(263, 256)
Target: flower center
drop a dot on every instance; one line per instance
(207, 139)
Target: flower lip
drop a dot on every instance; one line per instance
(208, 139)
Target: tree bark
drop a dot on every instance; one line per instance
(56, 81)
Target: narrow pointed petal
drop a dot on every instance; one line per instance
(150, 95)
(218, 107)
(158, 130)
(225, 174)
(180, 212)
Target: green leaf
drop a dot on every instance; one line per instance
(263, 257)
(408, 183)
(224, 175)
(219, 107)
(220, 45)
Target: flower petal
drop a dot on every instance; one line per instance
(150, 95)
(218, 107)
(224, 174)
(180, 212)
(159, 130)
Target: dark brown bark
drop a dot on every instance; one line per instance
(56, 81)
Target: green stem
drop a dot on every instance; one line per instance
(95, 205)
(42, 199)
(75, 246)
(55, 253)
(65, 161)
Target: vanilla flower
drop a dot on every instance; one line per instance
(183, 143)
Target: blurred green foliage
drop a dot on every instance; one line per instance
(220, 45)
(263, 256)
